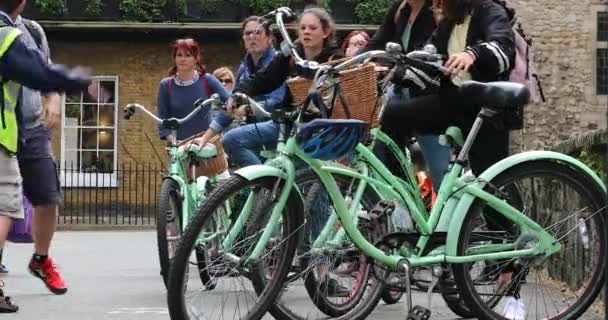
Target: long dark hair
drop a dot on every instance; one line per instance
(455, 11)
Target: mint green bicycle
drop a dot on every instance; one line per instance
(180, 196)
(506, 234)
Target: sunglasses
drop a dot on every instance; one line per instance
(226, 81)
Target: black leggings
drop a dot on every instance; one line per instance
(433, 114)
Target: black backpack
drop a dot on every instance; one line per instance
(34, 31)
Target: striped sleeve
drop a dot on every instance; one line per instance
(496, 52)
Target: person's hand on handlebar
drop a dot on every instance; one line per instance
(460, 62)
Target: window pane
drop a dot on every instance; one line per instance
(106, 92)
(89, 161)
(89, 116)
(72, 114)
(89, 139)
(602, 26)
(74, 98)
(106, 115)
(106, 139)
(106, 162)
(602, 71)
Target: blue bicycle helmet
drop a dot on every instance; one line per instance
(328, 139)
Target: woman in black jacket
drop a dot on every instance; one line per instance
(477, 37)
(409, 23)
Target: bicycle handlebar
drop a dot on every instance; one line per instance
(172, 123)
(249, 101)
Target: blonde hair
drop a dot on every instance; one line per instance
(223, 72)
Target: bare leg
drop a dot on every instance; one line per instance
(44, 222)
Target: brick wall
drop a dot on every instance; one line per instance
(139, 67)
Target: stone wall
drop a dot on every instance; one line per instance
(564, 35)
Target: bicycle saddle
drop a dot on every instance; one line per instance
(500, 95)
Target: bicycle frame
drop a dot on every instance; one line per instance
(453, 185)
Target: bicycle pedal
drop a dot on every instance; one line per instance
(419, 313)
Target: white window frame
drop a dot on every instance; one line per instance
(595, 45)
(85, 179)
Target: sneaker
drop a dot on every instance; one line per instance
(47, 272)
(3, 269)
(6, 304)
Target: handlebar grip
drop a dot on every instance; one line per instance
(286, 13)
(428, 68)
(129, 111)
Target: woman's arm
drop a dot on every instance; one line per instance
(385, 32)
(162, 102)
(496, 53)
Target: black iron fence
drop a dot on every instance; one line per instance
(126, 196)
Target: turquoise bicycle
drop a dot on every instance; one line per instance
(181, 194)
(501, 241)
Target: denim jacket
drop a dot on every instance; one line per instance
(245, 72)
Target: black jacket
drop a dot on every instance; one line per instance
(490, 38)
(390, 32)
(277, 72)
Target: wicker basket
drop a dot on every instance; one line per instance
(359, 89)
(208, 167)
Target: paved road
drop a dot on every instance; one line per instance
(113, 276)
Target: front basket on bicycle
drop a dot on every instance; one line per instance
(208, 167)
(359, 89)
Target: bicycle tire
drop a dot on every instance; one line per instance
(217, 198)
(169, 193)
(596, 201)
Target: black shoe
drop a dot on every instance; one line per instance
(6, 305)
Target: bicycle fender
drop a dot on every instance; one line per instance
(257, 171)
(466, 200)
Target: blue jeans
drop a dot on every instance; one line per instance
(436, 156)
(243, 144)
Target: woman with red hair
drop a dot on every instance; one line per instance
(188, 81)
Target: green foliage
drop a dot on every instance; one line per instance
(143, 10)
(52, 8)
(261, 7)
(594, 160)
(371, 11)
(211, 6)
(93, 8)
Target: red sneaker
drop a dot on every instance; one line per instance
(47, 272)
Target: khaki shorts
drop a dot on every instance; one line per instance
(11, 198)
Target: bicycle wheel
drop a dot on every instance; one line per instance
(168, 224)
(337, 285)
(229, 294)
(571, 207)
